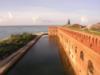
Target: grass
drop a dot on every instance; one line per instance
(90, 31)
(13, 43)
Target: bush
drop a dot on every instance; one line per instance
(15, 42)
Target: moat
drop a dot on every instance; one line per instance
(42, 59)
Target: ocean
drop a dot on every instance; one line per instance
(6, 31)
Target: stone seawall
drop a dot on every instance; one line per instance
(82, 49)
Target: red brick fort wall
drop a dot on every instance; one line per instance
(82, 49)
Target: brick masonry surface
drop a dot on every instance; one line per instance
(82, 49)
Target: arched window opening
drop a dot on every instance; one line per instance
(75, 49)
(82, 55)
(90, 68)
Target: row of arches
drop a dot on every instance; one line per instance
(91, 41)
(81, 55)
(74, 51)
(64, 40)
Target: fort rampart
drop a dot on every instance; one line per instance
(82, 49)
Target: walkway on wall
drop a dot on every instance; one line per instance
(42, 59)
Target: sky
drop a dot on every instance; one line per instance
(49, 12)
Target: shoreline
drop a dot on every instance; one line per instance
(13, 58)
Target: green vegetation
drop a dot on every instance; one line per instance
(78, 27)
(13, 43)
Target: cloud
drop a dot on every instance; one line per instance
(6, 18)
(1, 20)
(84, 19)
(44, 15)
(10, 15)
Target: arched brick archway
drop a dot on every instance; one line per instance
(90, 68)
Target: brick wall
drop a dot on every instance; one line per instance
(82, 49)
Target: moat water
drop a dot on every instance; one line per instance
(42, 59)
